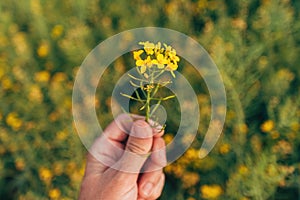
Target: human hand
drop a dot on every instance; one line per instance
(119, 155)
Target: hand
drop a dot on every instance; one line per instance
(113, 169)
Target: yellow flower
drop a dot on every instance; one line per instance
(13, 121)
(42, 76)
(192, 154)
(137, 54)
(168, 138)
(57, 31)
(6, 83)
(211, 191)
(158, 48)
(45, 174)
(243, 169)
(149, 47)
(171, 66)
(43, 50)
(54, 193)
(160, 61)
(35, 94)
(224, 148)
(20, 164)
(144, 64)
(274, 134)
(190, 179)
(267, 126)
(61, 135)
(58, 168)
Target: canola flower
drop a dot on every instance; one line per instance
(151, 62)
(211, 191)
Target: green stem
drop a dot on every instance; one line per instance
(148, 105)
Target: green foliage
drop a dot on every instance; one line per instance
(255, 45)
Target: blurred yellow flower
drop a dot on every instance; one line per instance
(243, 169)
(13, 121)
(58, 168)
(274, 134)
(267, 126)
(2, 150)
(61, 135)
(45, 174)
(35, 94)
(59, 77)
(20, 164)
(168, 138)
(6, 83)
(190, 179)
(43, 50)
(211, 191)
(42, 76)
(71, 167)
(192, 154)
(283, 147)
(54, 193)
(224, 148)
(239, 23)
(57, 31)
(242, 128)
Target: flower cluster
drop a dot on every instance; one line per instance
(154, 55)
(151, 62)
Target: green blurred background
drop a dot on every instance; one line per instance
(255, 44)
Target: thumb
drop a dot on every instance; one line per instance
(137, 148)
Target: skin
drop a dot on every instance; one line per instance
(124, 180)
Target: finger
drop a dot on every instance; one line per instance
(158, 187)
(109, 147)
(147, 182)
(153, 167)
(158, 158)
(137, 148)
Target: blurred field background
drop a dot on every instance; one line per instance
(255, 44)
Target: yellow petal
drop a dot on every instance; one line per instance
(139, 62)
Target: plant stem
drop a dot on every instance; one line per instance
(148, 105)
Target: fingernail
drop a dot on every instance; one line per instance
(141, 129)
(148, 189)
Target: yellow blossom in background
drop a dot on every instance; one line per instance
(57, 31)
(192, 154)
(274, 134)
(190, 179)
(42, 76)
(211, 191)
(267, 126)
(43, 50)
(243, 169)
(35, 94)
(54, 193)
(61, 135)
(20, 164)
(58, 168)
(45, 174)
(6, 83)
(224, 148)
(13, 121)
